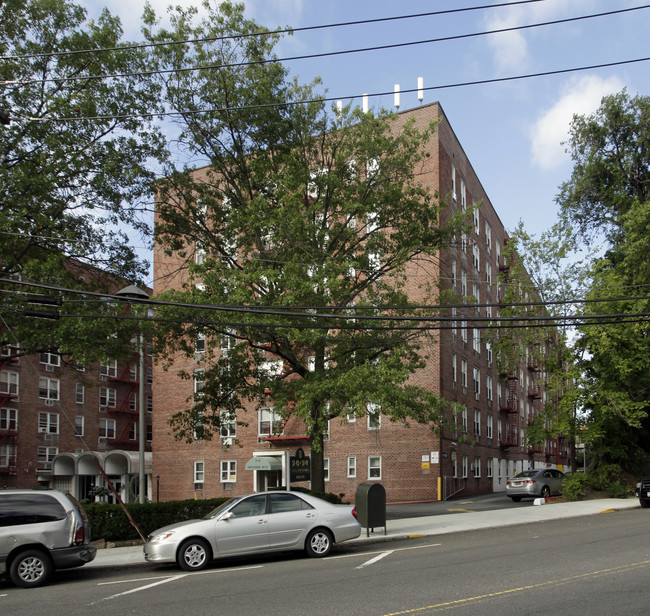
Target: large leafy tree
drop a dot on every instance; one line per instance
(300, 227)
(607, 198)
(75, 156)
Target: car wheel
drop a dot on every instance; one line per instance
(546, 492)
(319, 543)
(515, 499)
(645, 503)
(194, 555)
(31, 568)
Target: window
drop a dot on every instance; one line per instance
(477, 422)
(463, 331)
(476, 382)
(463, 374)
(463, 419)
(50, 359)
(453, 274)
(9, 383)
(326, 469)
(7, 455)
(149, 404)
(107, 398)
(464, 469)
(352, 466)
(108, 370)
(107, 428)
(477, 467)
(149, 433)
(454, 371)
(228, 422)
(374, 416)
(8, 419)
(133, 431)
(228, 471)
(79, 421)
(199, 472)
(453, 181)
(149, 375)
(48, 389)
(476, 340)
(477, 223)
(476, 292)
(199, 342)
(488, 387)
(489, 468)
(374, 467)
(488, 237)
(80, 393)
(476, 257)
(463, 195)
(267, 424)
(199, 382)
(463, 282)
(488, 352)
(46, 454)
(133, 403)
(489, 426)
(488, 273)
(454, 464)
(48, 423)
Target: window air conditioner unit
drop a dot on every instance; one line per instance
(49, 402)
(227, 440)
(477, 395)
(102, 409)
(101, 441)
(49, 368)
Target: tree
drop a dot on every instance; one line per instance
(607, 196)
(301, 227)
(74, 171)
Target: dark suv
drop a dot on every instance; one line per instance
(642, 492)
(40, 531)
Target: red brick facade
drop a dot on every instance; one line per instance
(411, 462)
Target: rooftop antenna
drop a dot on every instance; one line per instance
(420, 89)
(365, 103)
(396, 96)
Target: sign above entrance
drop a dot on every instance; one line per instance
(300, 466)
(264, 463)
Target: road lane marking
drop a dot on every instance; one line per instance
(511, 591)
(461, 510)
(377, 558)
(146, 587)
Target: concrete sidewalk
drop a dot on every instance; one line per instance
(429, 525)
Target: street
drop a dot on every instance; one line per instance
(596, 564)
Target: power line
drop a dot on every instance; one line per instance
(318, 55)
(326, 99)
(213, 39)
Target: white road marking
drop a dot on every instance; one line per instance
(377, 558)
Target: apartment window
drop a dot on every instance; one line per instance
(453, 274)
(50, 359)
(489, 426)
(149, 404)
(133, 403)
(464, 467)
(149, 433)
(7, 455)
(48, 423)
(488, 273)
(149, 375)
(48, 389)
(463, 331)
(488, 352)
(199, 342)
(453, 182)
(228, 471)
(374, 467)
(476, 257)
(268, 424)
(374, 416)
(476, 340)
(488, 387)
(477, 222)
(79, 422)
(463, 374)
(9, 383)
(463, 282)
(476, 292)
(454, 370)
(454, 464)
(107, 428)
(8, 419)
(46, 454)
(352, 466)
(488, 237)
(228, 423)
(199, 382)
(326, 469)
(476, 382)
(489, 467)
(477, 467)
(133, 431)
(463, 420)
(80, 393)
(199, 472)
(107, 398)
(463, 195)
(108, 370)
(477, 422)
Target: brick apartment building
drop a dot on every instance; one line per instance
(487, 441)
(58, 420)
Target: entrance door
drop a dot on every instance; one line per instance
(267, 480)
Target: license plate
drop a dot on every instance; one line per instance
(516, 483)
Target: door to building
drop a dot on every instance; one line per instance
(267, 480)
(267, 471)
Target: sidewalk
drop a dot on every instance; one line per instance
(429, 526)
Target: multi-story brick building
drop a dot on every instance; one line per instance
(484, 443)
(57, 421)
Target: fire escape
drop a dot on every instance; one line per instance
(510, 409)
(127, 391)
(9, 428)
(535, 395)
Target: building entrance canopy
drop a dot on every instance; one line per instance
(264, 463)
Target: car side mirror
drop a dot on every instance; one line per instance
(227, 516)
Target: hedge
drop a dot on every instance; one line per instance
(109, 522)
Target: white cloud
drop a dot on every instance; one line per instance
(582, 96)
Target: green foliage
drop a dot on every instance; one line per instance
(111, 523)
(575, 486)
(305, 218)
(75, 172)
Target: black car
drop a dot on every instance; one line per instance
(642, 492)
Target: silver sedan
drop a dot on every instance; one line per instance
(535, 482)
(263, 522)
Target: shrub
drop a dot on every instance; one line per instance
(575, 486)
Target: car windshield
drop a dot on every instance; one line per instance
(215, 512)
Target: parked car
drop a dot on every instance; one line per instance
(40, 531)
(540, 482)
(255, 523)
(642, 492)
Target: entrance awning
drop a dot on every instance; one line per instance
(264, 463)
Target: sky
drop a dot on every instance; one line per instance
(512, 131)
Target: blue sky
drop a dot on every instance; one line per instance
(511, 131)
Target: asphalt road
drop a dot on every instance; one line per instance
(597, 565)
